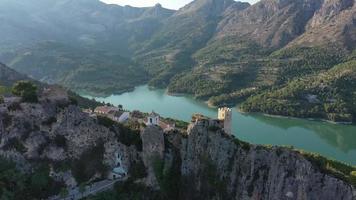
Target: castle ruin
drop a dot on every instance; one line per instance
(225, 115)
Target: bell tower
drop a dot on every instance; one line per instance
(225, 115)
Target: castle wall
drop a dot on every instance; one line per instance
(225, 114)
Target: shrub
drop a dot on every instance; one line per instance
(138, 170)
(15, 144)
(73, 101)
(353, 177)
(104, 121)
(1, 99)
(89, 163)
(168, 177)
(332, 167)
(26, 90)
(60, 141)
(244, 145)
(50, 121)
(14, 106)
(214, 128)
(15, 184)
(129, 137)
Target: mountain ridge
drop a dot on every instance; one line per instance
(66, 147)
(208, 48)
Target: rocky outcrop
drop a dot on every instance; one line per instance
(203, 163)
(270, 23)
(244, 171)
(55, 131)
(333, 23)
(153, 147)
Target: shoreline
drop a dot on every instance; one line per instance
(209, 105)
(299, 118)
(285, 117)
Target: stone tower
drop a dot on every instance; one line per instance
(225, 115)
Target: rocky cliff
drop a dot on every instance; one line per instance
(243, 171)
(201, 163)
(55, 132)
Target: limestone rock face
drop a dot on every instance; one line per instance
(152, 149)
(55, 131)
(256, 172)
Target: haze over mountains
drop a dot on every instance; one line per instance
(219, 50)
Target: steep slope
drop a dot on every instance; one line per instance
(221, 51)
(53, 145)
(208, 164)
(78, 22)
(216, 167)
(270, 23)
(240, 59)
(169, 52)
(330, 95)
(69, 42)
(9, 76)
(81, 69)
(334, 23)
(56, 146)
(237, 56)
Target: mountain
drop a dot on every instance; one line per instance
(333, 23)
(81, 69)
(329, 95)
(9, 76)
(69, 41)
(170, 49)
(220, 51)
(77, 22)
(56, 147)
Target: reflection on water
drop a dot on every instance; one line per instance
(331, 140)
(342, 137)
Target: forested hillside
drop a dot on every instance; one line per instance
(220, 51)
(329, 95)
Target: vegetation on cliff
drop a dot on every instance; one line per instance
(328, 95)
(221, 51)
(15, 184)
(26, 90)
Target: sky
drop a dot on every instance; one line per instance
(172, 4)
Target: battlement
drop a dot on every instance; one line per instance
(225, 115)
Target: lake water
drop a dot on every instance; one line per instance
(331, 140)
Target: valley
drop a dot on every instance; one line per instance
(331, 140)
(217, 100)
(224, 52)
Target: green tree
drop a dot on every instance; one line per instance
(1, 99)
(63, 193)
(82, 188)
(26, 90)
(353, 177)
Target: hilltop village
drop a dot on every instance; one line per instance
(84, 153)
(118, 114)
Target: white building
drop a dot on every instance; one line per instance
(124, 117)
(119, 171)
(105, 110)
(119, 116)
(225, 115)
(153, 119)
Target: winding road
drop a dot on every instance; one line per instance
(75, 194)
